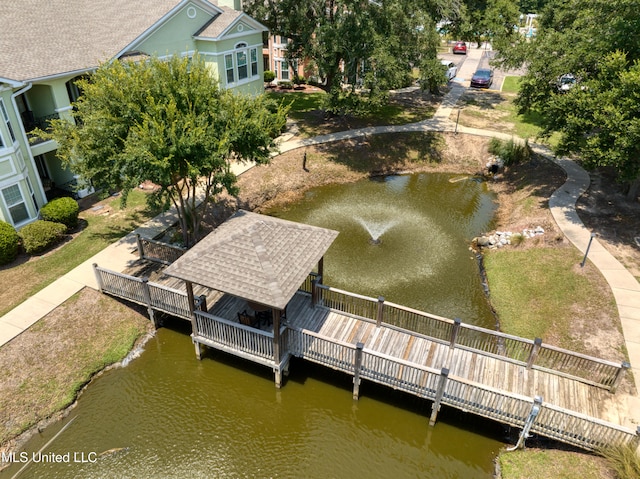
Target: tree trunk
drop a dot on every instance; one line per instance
(634, 188)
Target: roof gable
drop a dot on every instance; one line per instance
(229, 23)
(255, 257)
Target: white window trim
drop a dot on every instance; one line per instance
(241, 47)
(4, 133)
(7, 207)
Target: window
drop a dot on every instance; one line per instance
(32, 193)
(228, 65)
(5, 117)
(241, 58)
(254, 62)
(15, 203)
(284, 70)
(241, 64)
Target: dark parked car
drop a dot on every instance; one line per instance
(482, 78)
(460, 47)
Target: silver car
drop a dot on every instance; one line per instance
(451, 70)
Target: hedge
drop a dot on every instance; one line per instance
(9, 243)
(40, 235)
(61, 210)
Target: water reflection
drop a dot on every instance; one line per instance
(169, 415)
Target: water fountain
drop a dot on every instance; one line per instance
(375, 228)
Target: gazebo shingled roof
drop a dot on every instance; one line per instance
(256, 257)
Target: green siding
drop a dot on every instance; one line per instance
(176, 35)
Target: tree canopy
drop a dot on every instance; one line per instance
(363, 43)
(598, 43)
(167, 122)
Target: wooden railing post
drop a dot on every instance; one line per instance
(315, 290)
(356, 371)
(98, 277)
(444, 375)
(203, 303)
(140, 246)
(454, 333)
(147, 299)
(537, 343)
(380, 314)
(624, 367)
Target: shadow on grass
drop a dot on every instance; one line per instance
(386, 153)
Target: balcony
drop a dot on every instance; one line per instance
(32, 123)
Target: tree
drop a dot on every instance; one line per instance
(486, 20)
(603, 120)
(579, 37)
(363, 43)
(167, 122)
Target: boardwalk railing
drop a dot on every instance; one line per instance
(139, 290)
(233, 336)
(240, 340)
(531, 353)
(441, 388)
(157, 251)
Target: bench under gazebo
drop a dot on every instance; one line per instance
(259, 262)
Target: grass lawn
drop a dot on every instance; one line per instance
(45, 367)
(552, 463)
(307, 111)
(482, 108)
(22, 280)
(540, 293)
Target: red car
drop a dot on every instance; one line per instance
(460, 47)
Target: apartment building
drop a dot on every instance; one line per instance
(45, 47)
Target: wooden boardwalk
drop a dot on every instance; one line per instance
(479, 371)
(471, 365)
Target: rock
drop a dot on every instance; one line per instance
(482, 241)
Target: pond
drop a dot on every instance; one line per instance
(424, 224)
(167, 414)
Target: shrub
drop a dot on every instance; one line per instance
(624, 460)
(511, 152)
(9, 243)
(40, 235)
(299, 80)
(269, 76)
(61, 210)
(285, 85)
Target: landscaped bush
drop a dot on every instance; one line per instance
(285, 85)
(40, 235)
(511, 152)
(9, 243)
(269, 76)
(61, 210)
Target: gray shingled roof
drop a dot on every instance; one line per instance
(219, 24)
(255, 257)
(43, 38)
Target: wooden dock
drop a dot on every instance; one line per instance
(516, 381)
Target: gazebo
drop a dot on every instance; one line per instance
(261, 259)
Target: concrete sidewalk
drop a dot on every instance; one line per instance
(625, 287)
(117, 257)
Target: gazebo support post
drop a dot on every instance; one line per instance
(320, 269)
(275, 313)
(191, 301)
